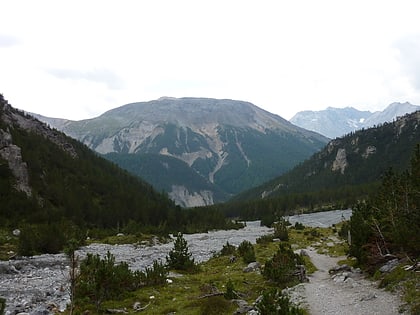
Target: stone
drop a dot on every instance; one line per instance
(368, 297)
(340, 268)
(304, 253)
(137, 306)
(389, 266)
(243, 307)
(254, 266)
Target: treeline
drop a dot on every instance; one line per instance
(271, 209)
(388, 224)
(368, 154)
(74, 195)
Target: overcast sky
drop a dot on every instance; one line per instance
(78, 59)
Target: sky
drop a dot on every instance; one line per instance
(78, 59)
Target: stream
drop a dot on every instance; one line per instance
(38, 285)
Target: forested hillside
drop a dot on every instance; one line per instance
(232, 145)
(346, 170)
(52, 188)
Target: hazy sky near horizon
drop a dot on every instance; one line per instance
(78, 59)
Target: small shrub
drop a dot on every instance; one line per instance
(101, 279)
(274, 303)
(299, 226)
(228, 249)
(281, 267)
(265, 239)
(156, 275)
(280, 230)
(246, 250)
(230, 293)
(2, 305)
(179, 257)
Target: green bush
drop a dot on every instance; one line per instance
(228, 249)
(156, 275)
(2, 305)
(274, 303)
(281, 267)
(179, 257)
(230, 293)
(101, 279)
(299, 226)
(265, 239)
(246, 250)
(280, 230)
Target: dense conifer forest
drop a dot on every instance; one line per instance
(81, 194)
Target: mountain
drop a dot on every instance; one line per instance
(358, 158)
(336, 122)
(229, 146)
(47, 176)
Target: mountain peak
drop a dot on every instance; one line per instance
(225, 146)
(335, 122)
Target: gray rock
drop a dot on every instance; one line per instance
(389, 266)
(254, 266)
(243, 307)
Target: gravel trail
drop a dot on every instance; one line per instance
(347, 293)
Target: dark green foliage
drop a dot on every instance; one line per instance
(281, 267)
(228, 249)
(246, 250)
(81, 190)
(172, 171)
(390, 222)
(274, 303)
(179, 257)
(46, 238)
(344, 230)
(2, 305)
(299, 226)
(70, 251)
(265, 239)
(230, 293)
(101, 279)
(312, 185)
(155, 275)
(280, 230)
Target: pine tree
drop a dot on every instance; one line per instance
(179, 257)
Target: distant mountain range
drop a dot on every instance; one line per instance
(336, 122)
(199, 150)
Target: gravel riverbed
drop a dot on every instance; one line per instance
(39, 285)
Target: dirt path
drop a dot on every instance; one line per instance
(345, 294)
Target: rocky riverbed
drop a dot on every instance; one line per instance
(39, 285)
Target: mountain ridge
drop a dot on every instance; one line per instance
(335, 122)
(357, 158)
(233, 144)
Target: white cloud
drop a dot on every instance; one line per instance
(282, 56)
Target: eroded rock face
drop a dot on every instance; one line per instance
(340, 163)
(12, 154)
(185, 198)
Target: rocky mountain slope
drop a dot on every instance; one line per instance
(229, 145)
(336, 122)
(355, 159)
(48, 178)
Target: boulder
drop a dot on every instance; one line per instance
(389, 266)
(254, 266)
(243, 307)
